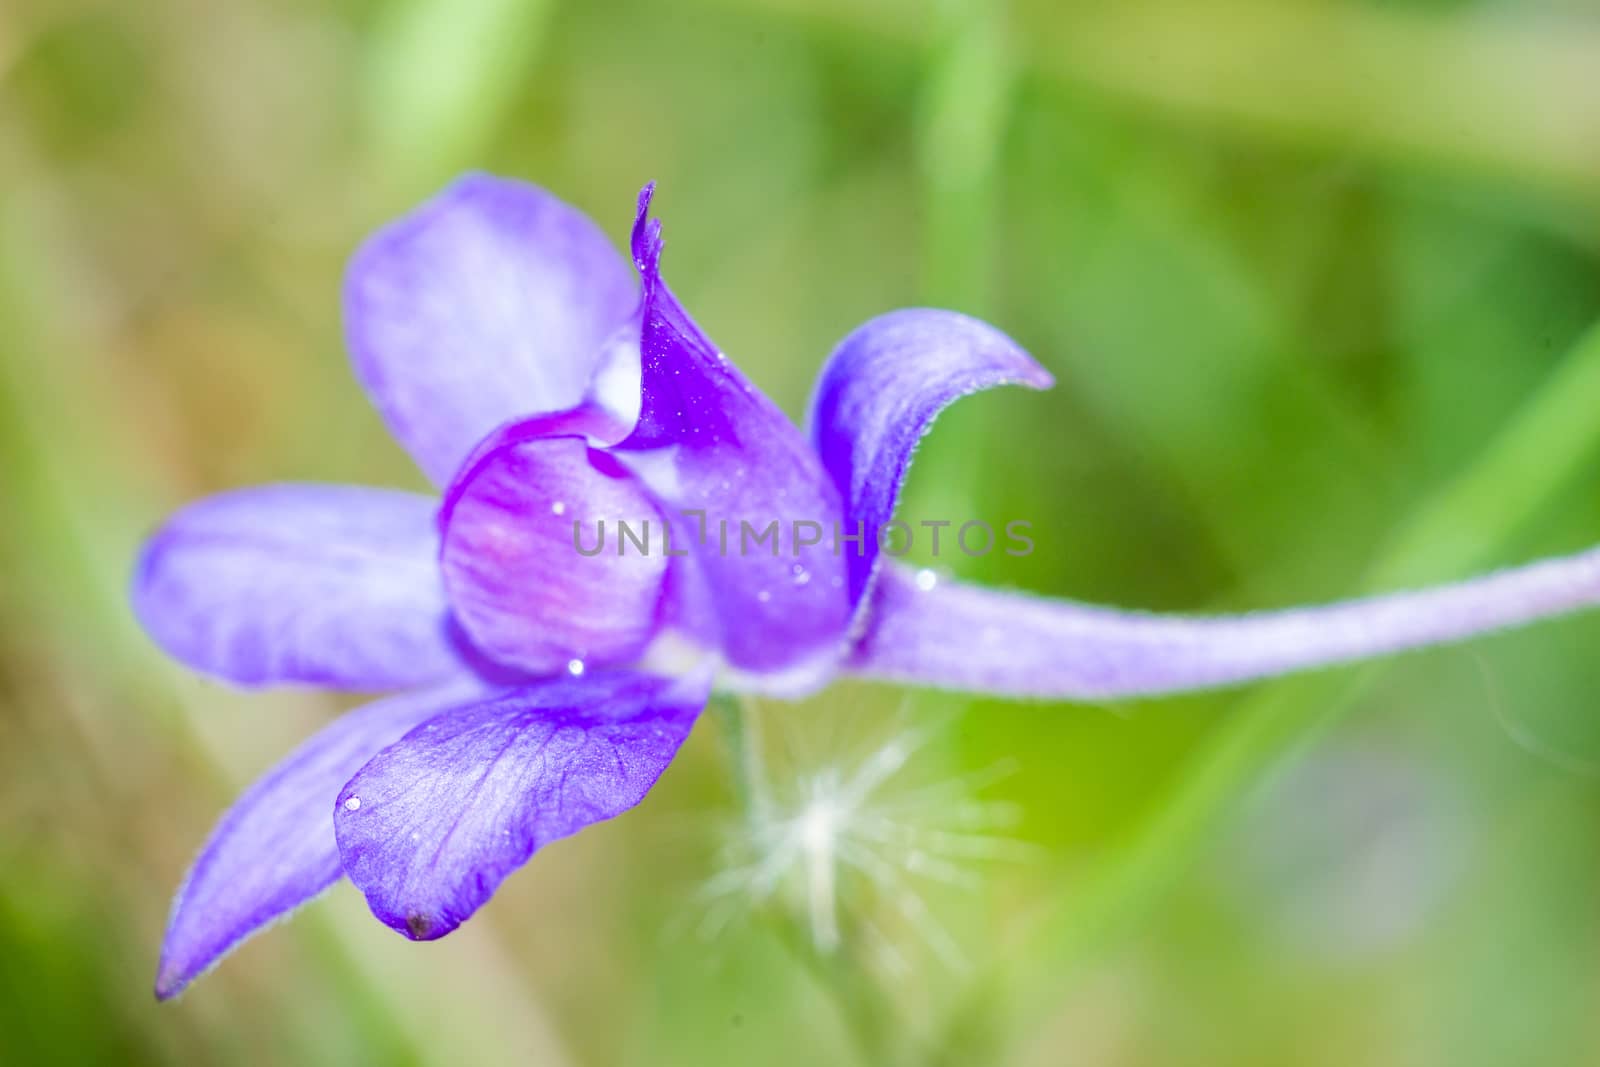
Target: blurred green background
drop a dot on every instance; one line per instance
(1315, 280)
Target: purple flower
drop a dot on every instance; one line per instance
(539, 385)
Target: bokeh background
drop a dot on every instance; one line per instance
(1316, 279)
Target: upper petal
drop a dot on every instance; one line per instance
(275, 849)
(492, 301)
(317, 584)
(520, 523)
(881, 390)
(719, 453)
(431, 826)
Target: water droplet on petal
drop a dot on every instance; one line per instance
(801, 575)
(926, 580)
(558, 508)
(763, 596)
(353, 804)
(575, 667)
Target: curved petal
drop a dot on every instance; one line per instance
(274, 849)
(535, 563)
(955, 636)
(434, 823)
(492, 301)
(316, 584)
(881, 390)
(717, 452)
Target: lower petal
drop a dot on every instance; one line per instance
(927, 631)
(433, 824)
(274, 849)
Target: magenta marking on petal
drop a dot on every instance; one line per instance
(584, 423)
(518, 583)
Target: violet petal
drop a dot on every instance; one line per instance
(709, 441)
(951, 635)
(433, 824)
(274, 849)
(493, 300)
(881, 390)
(519, 523)
(316, 584)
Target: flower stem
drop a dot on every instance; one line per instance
(863, 1006)
(743, 736)
(964, 111)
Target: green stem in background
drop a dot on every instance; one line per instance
(1541, 448)
(1390, 80)
(964, 109)
(1411, 86)
(443, 77)
(863, 1006)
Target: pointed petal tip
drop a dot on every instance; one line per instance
(418, 926)
(1034, 376)
(169, 985)
(646, 237)
(178, 970)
